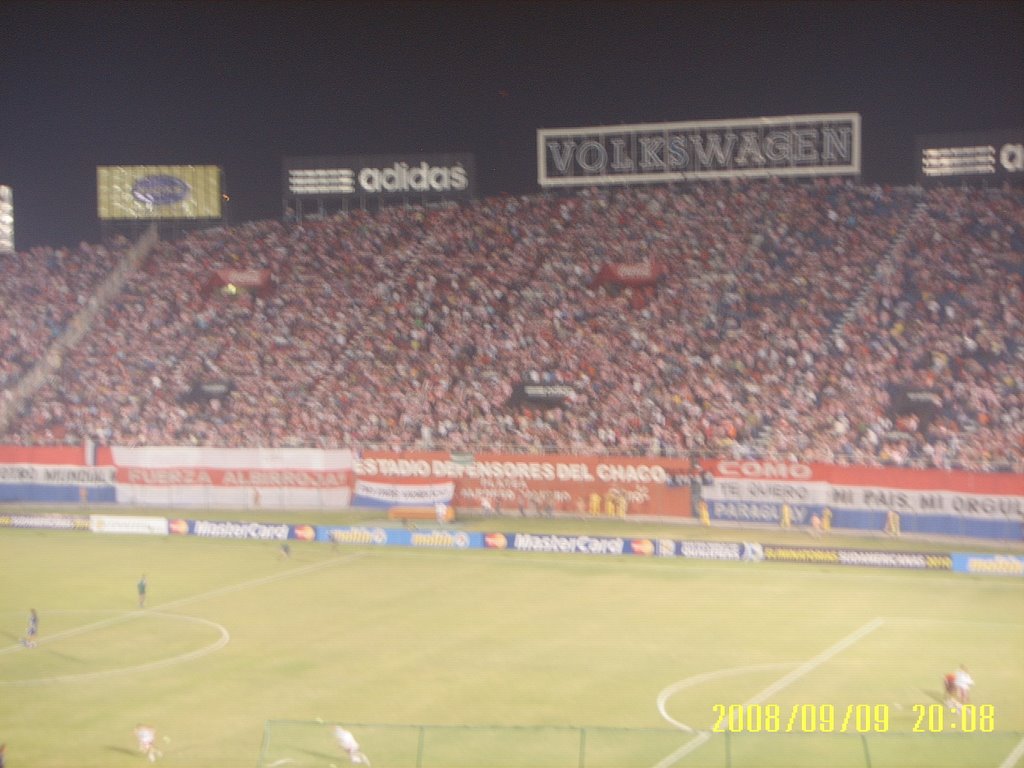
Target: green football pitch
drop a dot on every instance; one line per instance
(442, 659)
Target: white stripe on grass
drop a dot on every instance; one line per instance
(783, 682)
(74, 631)
(1014, 757)
(817, 661)
(704, 677)
(223, 639)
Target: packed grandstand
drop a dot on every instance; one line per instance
(822, 321)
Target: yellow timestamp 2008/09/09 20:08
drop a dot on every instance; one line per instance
(853, 718)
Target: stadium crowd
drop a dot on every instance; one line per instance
(822, 321)
(40, 291)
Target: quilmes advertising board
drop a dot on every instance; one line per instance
(143, 192)
(979, 157)
(800, 145)
(448, 176)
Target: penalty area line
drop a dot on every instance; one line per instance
(786, 680)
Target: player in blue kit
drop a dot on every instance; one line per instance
(32, 631)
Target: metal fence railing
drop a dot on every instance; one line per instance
(298, 744)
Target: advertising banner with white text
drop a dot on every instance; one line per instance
(599, 485)
(281, 478)
(928, 500)
(760, 147)
(52, 474)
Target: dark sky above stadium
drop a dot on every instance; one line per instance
(243, 84)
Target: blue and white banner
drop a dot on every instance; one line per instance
(400, 537)
(385, 495)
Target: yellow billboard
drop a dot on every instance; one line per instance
(158, 192)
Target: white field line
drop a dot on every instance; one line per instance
(816, 662)
(771, 690)
(689, 682)
(1012, 758)
(183, 601)
(216, 645)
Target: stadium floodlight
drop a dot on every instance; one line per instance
(6, 219)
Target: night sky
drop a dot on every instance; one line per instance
(243, 84)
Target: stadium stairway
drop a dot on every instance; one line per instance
(883, 269)
(77, 327)
(759, 444)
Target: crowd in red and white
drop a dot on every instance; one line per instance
(40, 291)
(785, 316)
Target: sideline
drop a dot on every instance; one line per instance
(783, 682)
(301, 570)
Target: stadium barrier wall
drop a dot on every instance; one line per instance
(441, 538)
(966, 504)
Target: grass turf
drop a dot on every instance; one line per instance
(518, 659)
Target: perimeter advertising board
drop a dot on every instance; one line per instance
(799, 145)
(144, 192)
(450, 176)
(979, 157)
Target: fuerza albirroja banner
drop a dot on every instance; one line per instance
(247, 478)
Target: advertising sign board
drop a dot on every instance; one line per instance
(448, 176)
(144, 192)
(979, 157)
(799, 145)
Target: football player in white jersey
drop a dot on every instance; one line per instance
(348, 743)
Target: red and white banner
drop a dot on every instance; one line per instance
(286, 478)
(638, 274)
(52, 474)
(633, 485)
